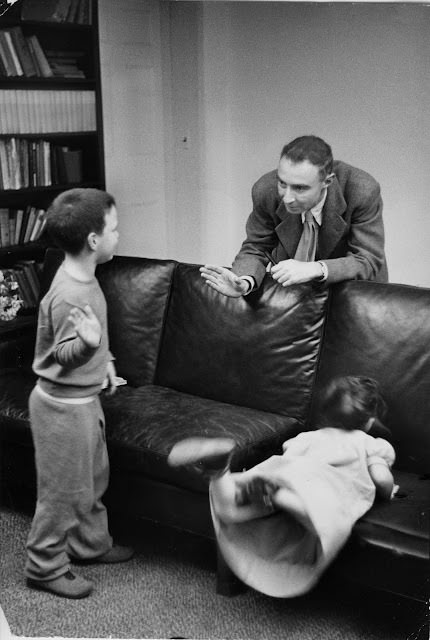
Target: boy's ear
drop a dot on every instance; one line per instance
(92, 241)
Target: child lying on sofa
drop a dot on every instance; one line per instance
(280, 524)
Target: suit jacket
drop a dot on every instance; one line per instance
(350, 239)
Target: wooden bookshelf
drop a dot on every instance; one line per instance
(51, 136)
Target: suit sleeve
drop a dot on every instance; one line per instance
(365, 254)
(260, 237)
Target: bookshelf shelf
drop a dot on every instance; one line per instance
(51, 136)
(16, 82)
(54, 135)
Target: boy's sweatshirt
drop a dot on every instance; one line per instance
(66, 366)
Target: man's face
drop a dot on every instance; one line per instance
(108, 239)
(300, 185)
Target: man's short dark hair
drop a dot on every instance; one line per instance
(76, 213)
(313, 149)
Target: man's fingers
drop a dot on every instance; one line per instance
(210, 268)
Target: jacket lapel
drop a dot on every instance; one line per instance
(289, 230)
(333, 224)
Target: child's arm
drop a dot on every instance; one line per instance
(77, 334)
(382, 478)
(380, 458)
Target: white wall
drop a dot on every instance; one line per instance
(133, 117)
(355, 74)
(238, 80)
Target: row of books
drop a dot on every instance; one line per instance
(26, 273)
(20, 226)
(37, 163)
(47, 111)
(71, 11)
(22, 55)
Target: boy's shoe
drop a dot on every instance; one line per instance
(116, 554)
(69, 585)
(209, 456)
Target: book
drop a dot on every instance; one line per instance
(16, 62)
(30, 223)
(13, 163)
(2, 66)
(29, 268)
(6, 55)
(4, 228)
(24, 55)
(12, 226)
(19, 216)
(73, 11)
(62, 10)
(4, 165)
(26, 214)
(38, 224)
(84, 15)
(42, 62)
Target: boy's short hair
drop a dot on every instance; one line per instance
(313, 149)
(76, 213)
(348, 402)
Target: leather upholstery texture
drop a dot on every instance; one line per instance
(143, 424)
(383, 331)
(137, 293)
(258, 351)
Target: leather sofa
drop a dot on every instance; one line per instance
(198, 363)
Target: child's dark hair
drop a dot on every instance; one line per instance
(76, 213)
(348, 402)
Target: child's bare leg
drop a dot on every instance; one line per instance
(228, 502)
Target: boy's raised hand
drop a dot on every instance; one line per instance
(86, 325)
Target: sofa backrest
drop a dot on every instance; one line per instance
(260, 351)
(383, 331)
(137, 292)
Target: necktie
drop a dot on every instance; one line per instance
(306, 249)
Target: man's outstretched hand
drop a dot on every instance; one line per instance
(224, 281)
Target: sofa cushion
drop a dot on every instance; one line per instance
(257, 351)
(143, 425)
(383, 331)
(137, 292)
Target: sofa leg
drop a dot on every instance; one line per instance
(227, 583)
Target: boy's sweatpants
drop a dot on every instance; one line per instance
(72, 467)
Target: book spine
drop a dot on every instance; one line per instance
(16, 63)
(4, 228)
(23, 52)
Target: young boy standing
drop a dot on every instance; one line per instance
(72, 360)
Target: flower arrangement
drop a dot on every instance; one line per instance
(10, 298)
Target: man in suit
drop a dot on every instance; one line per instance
(313, 219)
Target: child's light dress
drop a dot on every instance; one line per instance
(328, 470)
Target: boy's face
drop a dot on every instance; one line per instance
(107, 241)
